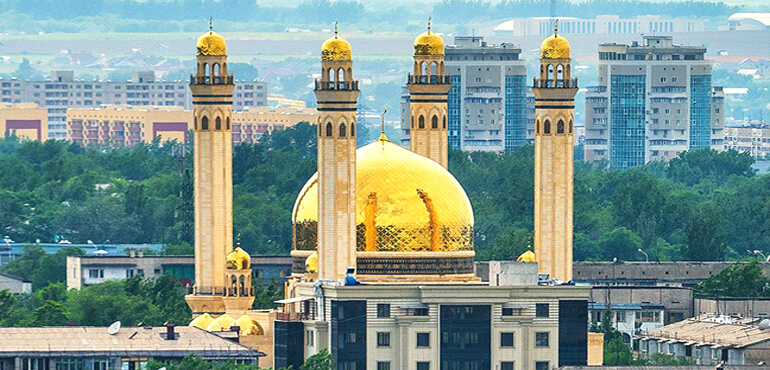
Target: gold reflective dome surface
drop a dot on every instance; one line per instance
(555, 47)
(238, 259)
(428, 43)
(202, 321)
(336, 48)
(212, 44)
(221, 323)
(404, 202)
(528, 257)
(247, 326)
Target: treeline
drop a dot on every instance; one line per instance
(176, 15)
(703, 205)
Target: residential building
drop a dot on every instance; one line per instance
(669, 273)
(63, 91)
(711, 340)
(9, 251)
(741, 307)
(629, 319)
(88, 347)
(653, 101)
(251, 123)
(601, 25)
(14, 284)
(95, 269)
(490, 107)
(125, 125)
(675, 303)
(752, 139)
(26, 121)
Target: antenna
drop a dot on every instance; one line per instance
(211, 24)
(114, 328)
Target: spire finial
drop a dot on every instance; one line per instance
(382, 132)
(429, 20)
(336, 29)
(556, 26)
(211, 24)
(238, 241)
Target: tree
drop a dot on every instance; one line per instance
(319, 361)
(620, 243)
(744, 280)
(704, 231)
(51, 313)
(53, 267)
(26, 264)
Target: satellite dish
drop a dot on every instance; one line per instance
(764, 324)
(101, 252)
(114, 328)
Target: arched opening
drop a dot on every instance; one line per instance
(228, 122)
(330, 75)
(547, 127)
(412, 122)
(218, 124)
(537, 127)
(421, 122)
(343, 130)
(559, 72)
(441, 68)
(205, 123)
(444, 122)
(542, 71)
(195, 123)
(560, 127)
(340, 75)
(570, 126)
(205, 69)
(352, 129)
(215, 69)
(349, 74)
(423, 69)
(550, 72)
(329, 129)
(242, 286)
(434, 122)
(433, 69)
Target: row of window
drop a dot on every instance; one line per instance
(425, 365)
(217, 123)
(343, 130)
(541, 310)
(547, 127)
(542, 339)
(433, 122)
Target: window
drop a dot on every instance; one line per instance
(383, 339)
(547, 127)
(204, 123)
(423, 340)
(96, 273)
(343, 130)
(129, 273)
(506, 365)
(350, 338)
(423, 365)
(383, 365)
(541, 309)
(218, 124)
(541, 339)
(541, 365)
(329, 129)
(650, 316)
(512, 311)
(421, 122)
(383, 310)
(506, 339)
(434, 122)
(620, 316)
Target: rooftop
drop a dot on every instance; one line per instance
(712, 330)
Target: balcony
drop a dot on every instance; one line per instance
(555, 84)
(438, 80)
(211, 80)
(332, 85)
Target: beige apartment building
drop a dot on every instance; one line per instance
(753, 139)
(124, 125)
(251, 123)
(25, 120)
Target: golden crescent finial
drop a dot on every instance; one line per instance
(211, 24)
(382, 132)
(556, 26)
(429, 21)
(336, 29)
(238, 241)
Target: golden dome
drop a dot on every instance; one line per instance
(528, 257)
(554, 47)
(404, 203)
(238, 259)
(223, 322)
(336, 48)
(247, 325)
(428, 43)
(212, 44)
(311, 263)
(202, 321)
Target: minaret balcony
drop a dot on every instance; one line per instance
(332, 85)
(207, 290)
(429, 79)
(555, 84)
(211, 80)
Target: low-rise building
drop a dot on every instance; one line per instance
(125, 125)
(752, 139)
(94, 269)
(14, 284)
(743, 307)
(629, 319)
(601, 25)
(251, 123)
(9, 251)
(711, 339)
(26, 121)
(671, 273)
(82, 347)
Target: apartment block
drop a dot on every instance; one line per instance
(752, 139)
(126, 125)
(653, 101)
(601, 25)
(63, 91)
(25, 120)
(251, 123)
(490, 107)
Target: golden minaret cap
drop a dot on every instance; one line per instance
(555, 47)
(211, 43)
(336, 48)
(428, 43)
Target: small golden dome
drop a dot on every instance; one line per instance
(247, 325)
(404, 203)
(555, 47)
(212, 44)
(311, 263)
(202, 321)
(428, 43)
(221, 323)
(336, 48)
(528, 257)
(238, 259)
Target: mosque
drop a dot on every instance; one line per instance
(383, 272)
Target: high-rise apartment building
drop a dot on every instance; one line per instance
(63, 91)
(754, 139)
(489, 105)
(652, 102)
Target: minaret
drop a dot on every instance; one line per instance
(337, 95)
(428, 88)
(212, 89)
(554, 139)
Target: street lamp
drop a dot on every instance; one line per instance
(646, 257)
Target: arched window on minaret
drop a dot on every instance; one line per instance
(329, 129)
(340, 76)
(547, 127)
(560, 127)
(421, 123)
(218, 124)
(570, 126)
(228, 122)
(444, 121)
(352, 130)
(205, 123)
(434, 122)
(343, 130)
(412, 122)
(205, 69)
(537, 127)
(215, 69)
(550, 72)
(559, 72)
(195, 123)
(423, 69)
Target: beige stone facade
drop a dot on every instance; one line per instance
(428, 87)
(754, 140)
(125, 125)
(25, 120)
(250, 124)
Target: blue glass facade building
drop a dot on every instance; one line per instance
(515, 112)
(700, 111)
(627, 126)
(454, 100)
